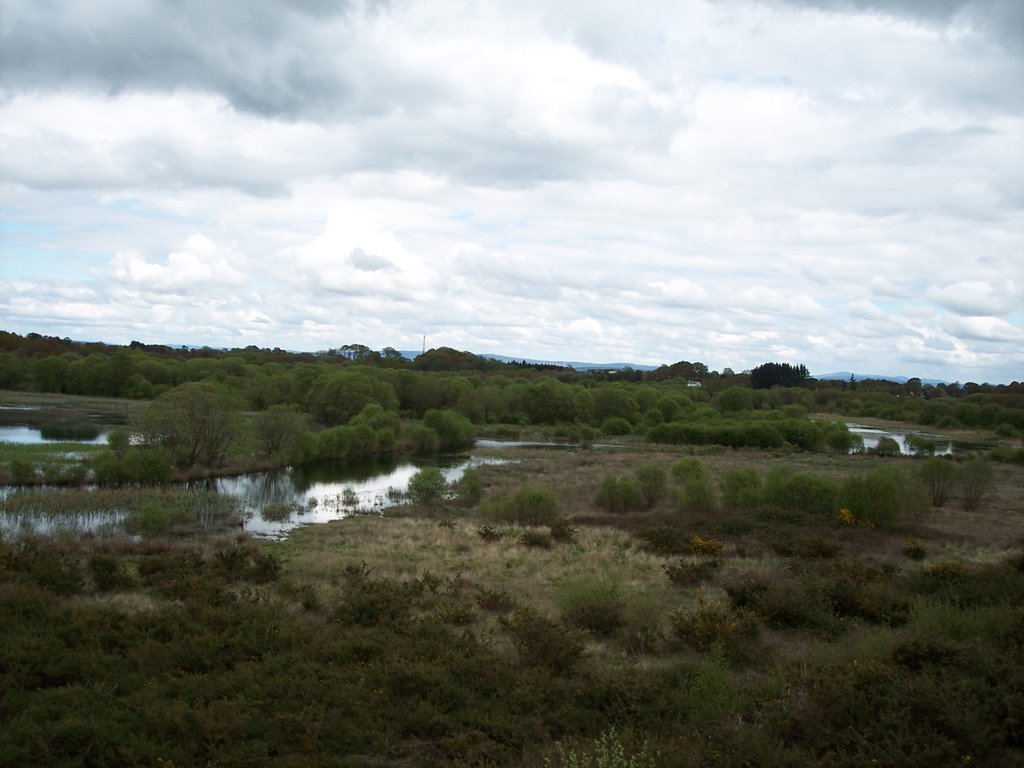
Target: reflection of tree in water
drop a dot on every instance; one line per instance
(308, 475)
(260, 488)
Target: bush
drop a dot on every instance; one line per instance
(939, 479)
(666, 540)
(535, 538)
(886, 446)
(741, 488)
(688, 468)
(875, 499)
(428, 486)
(562, 531)
(973, 483)
(23, 472)
(594, 604)
(650, 482)
(617, 494)
(616, 426)
(108, 573)
(804, 493)
(469, 489)
(530, 506)
(542, 642)
(698, 495)
(712, 623)
(453, 429)
(688, 573)
(706, 547)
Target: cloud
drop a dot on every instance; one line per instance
(989, 329)
(200, 265)
(974, 297)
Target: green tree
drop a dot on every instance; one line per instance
(197, 422)
(278, 428)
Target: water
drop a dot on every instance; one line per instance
(275, 502)
(944, 445)
(23, 435)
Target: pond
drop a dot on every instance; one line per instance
(275, 502)
(944, 445)
(33, 426)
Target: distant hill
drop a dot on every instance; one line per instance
(845, 376)
(570, 364)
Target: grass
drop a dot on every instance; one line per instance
(433, 636)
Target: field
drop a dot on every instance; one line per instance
(532, 619)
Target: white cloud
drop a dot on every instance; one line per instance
(199, 265)
(974, 298)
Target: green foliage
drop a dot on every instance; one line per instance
(595, 604)
(108, 573)
(529, 505)
(469, 489)
(886, 446)
(606, 751)
(119, 441)
(973, 483)
(711, 623)
(939, 479)
(651, 484)
(666, 540)
(23, 472)
(879, 497)
(688, 468)
(543, 642)
(197, 422)
(427, 487)
(803, 493)
(453, 429)
(740, 488)
(617, 494)
(278, 429)
(536, 538)
(616, 426)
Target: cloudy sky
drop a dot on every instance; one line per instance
(838, 183)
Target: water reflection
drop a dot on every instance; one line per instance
(904, 439)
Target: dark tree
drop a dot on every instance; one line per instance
(771, 375)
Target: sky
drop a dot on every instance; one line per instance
(837, 183)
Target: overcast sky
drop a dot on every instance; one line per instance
(833, 183)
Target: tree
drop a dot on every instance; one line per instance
(771, 375)
(197, 422)
(278, 428)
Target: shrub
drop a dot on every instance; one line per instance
(23, 472)
(938, 476)
(687, 468)
(487, 533)
(617, 494)
(535, 538)
(616, 426)
(594, 604)
(705, 547)
(606, 751)
(108, 573)
(469, 489)
(423, 438)
(804, 493)
(530, 506)
(698, 495)
(562, 531)
(973, 483)
(712, 622)
(688, 573)
(453, 429)
(913, 549)
(543, 642)
(650, 481)
(666, 540)
(741, 488)
(886, 446)
(428, 486)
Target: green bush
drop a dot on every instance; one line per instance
(666, 540)
(712, 623)
(469, 489)
(651, 484)
(596, 605)
(536, 538)
(617, 494)
(542, 642)
(428, 486)
(23, 472)
(740, 488)
(886, 446)
(688, 468)
(530, 505)
(939, 479)
(698, 495)
(805, 493)
(453, 429)
(973, 483)
(616, 426)
(109, 573)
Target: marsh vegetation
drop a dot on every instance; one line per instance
(748, 592)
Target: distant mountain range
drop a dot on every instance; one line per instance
(845, 376)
